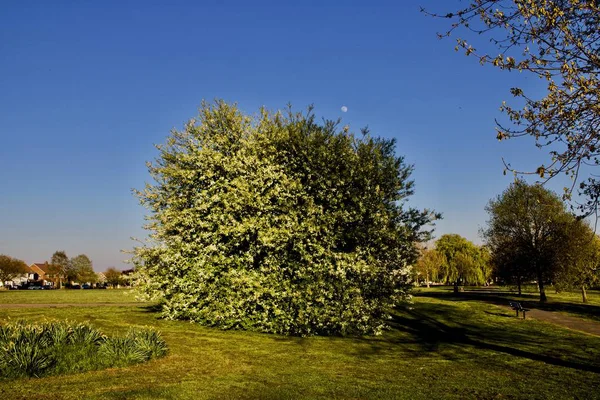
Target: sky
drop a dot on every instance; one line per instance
(88, 87)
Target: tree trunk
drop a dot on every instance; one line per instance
(543, 297)
(519, 284)
(583, 294)
(427, 279)
(456, 286)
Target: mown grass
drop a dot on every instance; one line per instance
(567, 303)
(67, 296)
(443, 348)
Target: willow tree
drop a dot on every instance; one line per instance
(276, 223)
(429, 264)
(558, 41)
(465, 262)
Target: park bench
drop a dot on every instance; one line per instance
(515, 305)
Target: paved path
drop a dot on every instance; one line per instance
(64, 305)
(577, 324)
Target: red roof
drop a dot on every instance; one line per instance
(39, 268)
(43, 267)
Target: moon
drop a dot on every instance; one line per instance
(344, 109)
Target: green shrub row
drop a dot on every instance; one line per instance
(59, 347)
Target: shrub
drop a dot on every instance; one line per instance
(84, 334)
(25, 350)
(59, 347)
(58, 332)
(123, 349)
(278, 224)
(138, 346)
(150, 341)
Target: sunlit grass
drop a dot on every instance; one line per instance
(442, 348)
(566, 303)
(66, 296)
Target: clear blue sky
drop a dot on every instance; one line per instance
(87, 88)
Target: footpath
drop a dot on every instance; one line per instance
(577, 324)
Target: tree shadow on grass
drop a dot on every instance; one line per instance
(499, 314)
(426, 329)
(528, 300)
(151, 308)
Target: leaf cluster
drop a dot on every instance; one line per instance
(11, 267)
(278, 223)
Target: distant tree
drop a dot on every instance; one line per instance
(101, 278)
(464, 261)
(59, 264)
(278, 223)
(81, 269)
(485, 263)
(113, 276)
(528, 231)
(11, 268)
(87, 275)
(558, 41)
(580, 259)
(429, 264)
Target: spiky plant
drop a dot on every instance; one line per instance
(84, 334)
(150, 341)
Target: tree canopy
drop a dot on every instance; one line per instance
(113, 276)
(580, 258)
(277, 223)
(429, 264)
(60, 264)
(528, 231)
(81, 269)
(558, 41)
(465, 262)
(11, 267)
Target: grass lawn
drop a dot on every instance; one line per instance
(67, 296)
(442, 348)
(568, 303)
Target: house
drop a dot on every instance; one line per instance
(44, 274)
(16, 281)
(37, 272)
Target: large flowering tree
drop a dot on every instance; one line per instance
(278, 224)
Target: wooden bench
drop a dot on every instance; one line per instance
(515, 305)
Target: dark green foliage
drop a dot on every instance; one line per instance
(81, 269)
(138, 346)
(149, 341)
(464, 262)
(84, 334)
(53, 348)
(278, 224)
(25, 353)
(123, 349)
(59, 333)
(528, 234)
